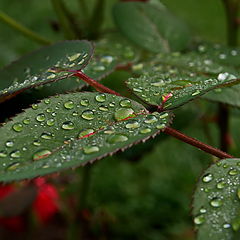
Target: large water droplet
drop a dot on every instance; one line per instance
(207, 178)
(74, 57)
(50, 122)
(88, 115)
(133, 124)
(145, 130)
(41, 154)
(90, 149)
(18, 127)
(3, 154)
(221, 185)
(46, 136)
(200, 219)
(36, 143)
(117, 138)
(216, 202)
(123, 113)
(13, 166)
(84, 102)
(40, 117)
(101, 97)
(9, 144)
(68, 125)
(34, 106)
(233, 172)
(125, 103)
(15, 154)
(85, 133)
(103, 108)
(150, 119)
(69, 104)
(26, 121)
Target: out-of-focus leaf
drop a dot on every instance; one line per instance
(151, 26)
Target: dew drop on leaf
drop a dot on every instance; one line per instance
(13, 166)
(46, 136)
(3, 154)
(26, 121)
(145, 130)
(85, 132)
(216, 202)
(117, 138)
(88, 115)
(41, 154)
(207, 178)
(150, 119)
(84, 102)
(50, 122)
(123, 113)
(101, 97)
(68, 125)
(200, 219)
(17, 127)
(233, 172)
(90, 149)
(9, 144)
(40, 117)
(69, 105)
(15, 154)
(133, 125)
(125, 103)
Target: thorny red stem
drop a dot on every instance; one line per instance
(98, 86)
(192, 141)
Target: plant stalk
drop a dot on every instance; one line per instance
(194, 142)
(98, 86)
(23, 30)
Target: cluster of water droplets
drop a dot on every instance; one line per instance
(217, 200)
(59, 128)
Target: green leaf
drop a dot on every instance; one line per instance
(40, 67)
(171, 80)
(71, 130)
(216, 205)
(151, 26)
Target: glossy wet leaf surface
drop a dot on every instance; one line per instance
(71, 130)
(216, 205)
(40, 67)
(151, 26)
(171, 80)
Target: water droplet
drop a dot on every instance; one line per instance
(125, 103)
(233, 172)
(90, 149)
(50, 122)
(200, 219)
(216, 202)
(36, 143)
(41, 154)
(18, 127)
(40, 117)
(9, 144)
(47, 101)
(26, 121)
(46, 136)
(49, 110)
(15, 154)
(84, 102)
(226, 225)
(74, 114)
(221, 185)
(99, 68)
(145, 130)
(207, 178)
(74, 57)
(101, 97)
(69, 104)
(158, 84)
(150, 119)
(107, 59)
(3, 154)
(13, 166)
(160, 126)
(202, 210)
(133, 124)
(123, 113)
(117, 138)
(103, 108)
(196, 93)
(68, 125)
(88, 115)
(85, 132)
(34, 106)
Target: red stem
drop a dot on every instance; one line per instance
(98, 86)
(194, 142)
